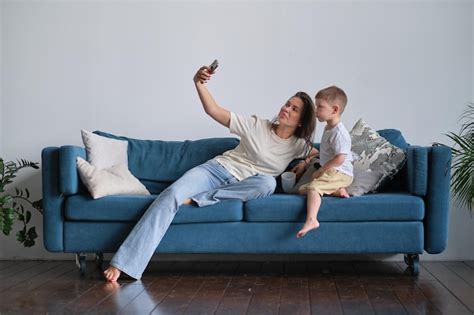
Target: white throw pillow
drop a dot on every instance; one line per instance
(104, 152)
(375, 159)
(115, 180)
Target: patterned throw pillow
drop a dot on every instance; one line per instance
(375, 159)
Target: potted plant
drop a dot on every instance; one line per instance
(12, 206)
(462, 179)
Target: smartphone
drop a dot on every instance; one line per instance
(214, 65)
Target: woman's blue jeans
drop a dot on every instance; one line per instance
(205, 184)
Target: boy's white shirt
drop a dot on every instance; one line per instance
(260, 150)
(337, 140)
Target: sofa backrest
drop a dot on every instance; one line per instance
(166, 161)
(158, 163)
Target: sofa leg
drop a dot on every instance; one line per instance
(413, 262)
(81, 263)
(99, 260)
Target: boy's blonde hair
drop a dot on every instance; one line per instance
(333, 95)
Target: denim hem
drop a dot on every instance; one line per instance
(123, 269)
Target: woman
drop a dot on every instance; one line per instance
(244, 173)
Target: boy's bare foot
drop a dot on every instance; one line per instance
(309, 225)
(112, 274)
(341, 192)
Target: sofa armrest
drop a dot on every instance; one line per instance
(417, 170)
(69, 182)
(53, 218)
(437, 199)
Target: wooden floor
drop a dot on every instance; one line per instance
(38, 287)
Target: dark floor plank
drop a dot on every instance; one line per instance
(325, 298)
(16, 268)
(27, 274)
(461, 289)
(414, 301)
(91, 298)
(295, 295)
(6, 264)
(440, 297)
(41, 279)
(385, 301)
(152, 295)
(53, 295)
(265, 296)
(352, 295)
(120, 297)
(470, 263)
(25, 294)
(208, 297)
(240, 288)
(237, 295)
(424, 275)
(180, 296)
(462, 270)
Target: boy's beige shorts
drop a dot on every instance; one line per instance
(329, 182)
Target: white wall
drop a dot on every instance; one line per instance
(126, 67)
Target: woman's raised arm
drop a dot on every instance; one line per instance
(217, 112)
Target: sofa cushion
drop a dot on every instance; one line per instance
(372, 207)
(132, 207)
(166, 161)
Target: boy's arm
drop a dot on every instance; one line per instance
(334, 162)
(300, 168)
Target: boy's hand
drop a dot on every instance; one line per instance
(317, 174)
(299, 169)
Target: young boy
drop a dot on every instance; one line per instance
(335, 173)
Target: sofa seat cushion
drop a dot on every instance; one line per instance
(131, 208)
(371, 207)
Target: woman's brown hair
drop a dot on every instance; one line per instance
(307, 122)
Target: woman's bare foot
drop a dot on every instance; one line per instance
(309, 225)
(188, 201)
(341, 192)
(112, 274)
(111, 286)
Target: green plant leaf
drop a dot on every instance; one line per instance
(21, 236)
(462, 178)
(28, 216)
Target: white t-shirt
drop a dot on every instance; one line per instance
(337, 140)
(260, 150)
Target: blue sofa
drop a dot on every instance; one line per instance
(409, 215)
